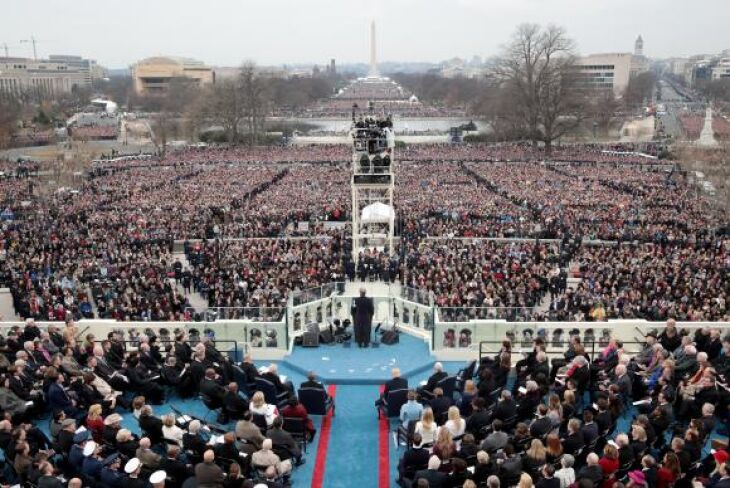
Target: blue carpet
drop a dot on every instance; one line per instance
(337, 365)
(352, 458)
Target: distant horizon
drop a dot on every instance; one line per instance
(360, 64)
(285, 32)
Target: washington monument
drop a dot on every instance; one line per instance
(373, 57)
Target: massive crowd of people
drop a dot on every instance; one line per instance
(108, 244)
(570, 420)
(234, 275)
(89, 387)
(614, 420)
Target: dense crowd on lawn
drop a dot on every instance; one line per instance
(341, 153)
(605, 202)
(601, 153)
(693, 122)
(510, 278)
(109, 243)
(341, 109)
(439, 199)
(685, 281)
(614, 420)
(262, 272)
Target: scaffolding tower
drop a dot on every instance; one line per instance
(373, 180)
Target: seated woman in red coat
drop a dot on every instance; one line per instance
(296, 409)
(609, 465)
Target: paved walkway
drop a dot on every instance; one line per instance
(7, 312)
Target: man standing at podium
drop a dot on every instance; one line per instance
(362, 311)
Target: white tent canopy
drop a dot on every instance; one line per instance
(377, 213)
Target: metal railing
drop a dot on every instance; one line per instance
(231, 352)
(254, 314)
(422, 297)
(466, 314)
(308, 295)
(593, 349)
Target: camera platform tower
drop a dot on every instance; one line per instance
(373, 181)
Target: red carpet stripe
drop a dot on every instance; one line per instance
(384, 454)
(324, 440)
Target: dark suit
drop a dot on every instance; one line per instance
(548, 483)
(476, 421)
(413, 459)
(504, 410)
(282, 438)
(436, 479)
(183, 352)
(274, 378)
(528, 405)
(395, 384)
(209, 475)
(590, 432)
(540, 427)
(363, 310)
(148, 360)
(142, 382)
(47, 481)
(111, 478)
(313, 384)
(440, 405)
(434, 380)
(250, 371)
(176, 470)
(212, 390)
(152, 427)
(58, 399)
(604, 420)
(234, 404)
(573, 443)
(593, 473)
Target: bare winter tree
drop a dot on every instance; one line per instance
(255, 98)
(602, 109)
(9, 114)
(536, 72)
(224, 106)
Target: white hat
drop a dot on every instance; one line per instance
(158, 477)
(89, 448)
(132, 465)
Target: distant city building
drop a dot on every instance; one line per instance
(611, 70)
(93, 71)
(221, 73)
(639, 47)
(721, 70)
(331, 69)
(152, 76)
(45, 78)
(460, 68)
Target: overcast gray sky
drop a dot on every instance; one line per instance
(272, 32)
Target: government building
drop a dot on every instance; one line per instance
(152, 76)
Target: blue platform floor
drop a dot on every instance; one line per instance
(337, 364)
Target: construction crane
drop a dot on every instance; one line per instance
(6, 48)
(33, 41)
